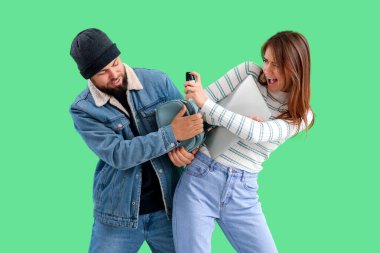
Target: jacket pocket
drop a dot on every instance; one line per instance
(148, 113)
(103, 185)
(121, 125)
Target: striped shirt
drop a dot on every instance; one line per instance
(256, 139)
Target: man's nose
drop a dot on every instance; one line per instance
(113, 73)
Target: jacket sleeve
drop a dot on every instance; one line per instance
(117, 152)
(172, 92)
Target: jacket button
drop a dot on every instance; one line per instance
(172, 145)
(160, 170)
(133, 203)
(120, 125)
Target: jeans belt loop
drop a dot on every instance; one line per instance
(242, 175)
(212, 165)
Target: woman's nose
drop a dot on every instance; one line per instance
(267, 69)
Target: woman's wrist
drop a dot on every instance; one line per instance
(202, 102)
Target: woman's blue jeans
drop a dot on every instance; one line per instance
(209, 191)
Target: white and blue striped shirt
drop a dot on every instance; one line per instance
(257, 139)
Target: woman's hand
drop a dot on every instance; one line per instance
(256, 118)
(194, 90)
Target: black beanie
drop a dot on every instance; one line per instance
(92, 50)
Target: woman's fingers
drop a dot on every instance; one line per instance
(188, 96)
(189, 89)
(197, 76)
(256, 118)
(189, 83)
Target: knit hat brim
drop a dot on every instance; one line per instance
(100, 62)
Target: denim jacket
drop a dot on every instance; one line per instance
(105, 127)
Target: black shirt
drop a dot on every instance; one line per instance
(151, 196)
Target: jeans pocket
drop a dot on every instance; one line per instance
(250, 182)
(197, 168)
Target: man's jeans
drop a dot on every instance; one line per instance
(209, 191)
(155, 228)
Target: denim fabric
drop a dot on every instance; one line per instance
(106, 130)
(155, 228)
(209, 191)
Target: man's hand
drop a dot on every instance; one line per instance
(186, 127)
(180, 157)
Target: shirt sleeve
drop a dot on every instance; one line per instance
(221, 88)
(248, 129)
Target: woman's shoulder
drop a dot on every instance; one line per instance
(249, 67)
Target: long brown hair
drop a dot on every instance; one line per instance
(292, 54)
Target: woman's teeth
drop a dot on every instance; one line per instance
(271, 80)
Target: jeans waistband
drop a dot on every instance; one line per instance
(214, 165)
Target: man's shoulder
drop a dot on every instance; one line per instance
(83, 98)
(150, 74)
(152, 80)
(148, 71)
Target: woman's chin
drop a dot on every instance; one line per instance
(273, 87)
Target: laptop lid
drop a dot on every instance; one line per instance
(245, 100)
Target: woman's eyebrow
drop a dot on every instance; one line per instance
(264, 58)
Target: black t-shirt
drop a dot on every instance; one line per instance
(151, 196)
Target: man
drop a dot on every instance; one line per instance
(134, 180)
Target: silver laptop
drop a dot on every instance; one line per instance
(245, 100)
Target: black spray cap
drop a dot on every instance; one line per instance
(189, 76)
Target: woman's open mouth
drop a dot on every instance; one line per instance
(271, 80)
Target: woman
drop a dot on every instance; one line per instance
(225, 189)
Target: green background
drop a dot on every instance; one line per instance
(319, 193)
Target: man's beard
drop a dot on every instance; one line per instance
(118, 91)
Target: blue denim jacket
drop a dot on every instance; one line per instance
(106, 130)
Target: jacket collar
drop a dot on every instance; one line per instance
(102, 98)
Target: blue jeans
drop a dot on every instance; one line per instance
(209, 191)
(155, 228)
